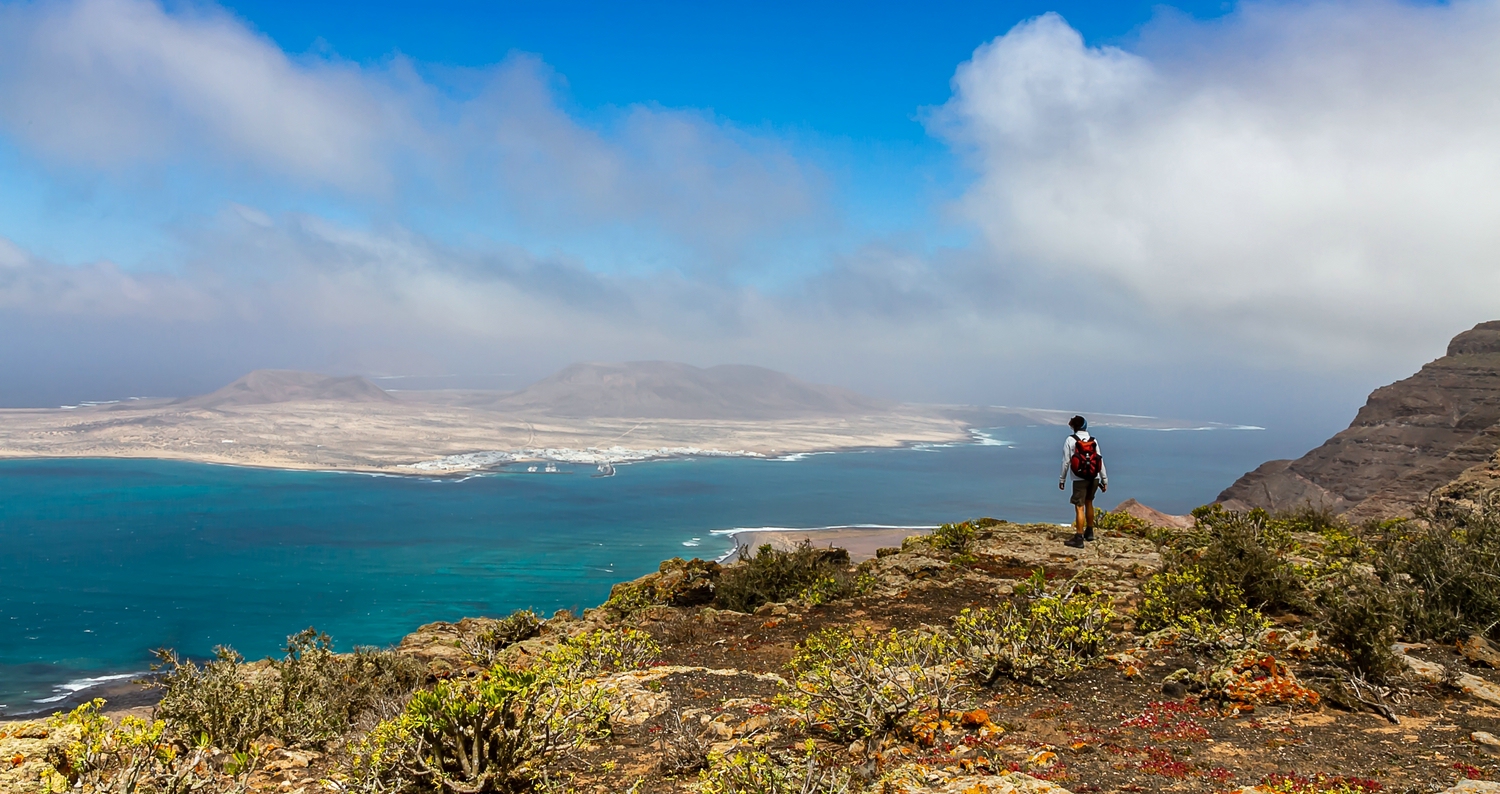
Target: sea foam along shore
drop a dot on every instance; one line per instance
(472, 461)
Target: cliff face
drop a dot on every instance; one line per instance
(1410, 438)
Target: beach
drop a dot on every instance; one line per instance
(861, 542)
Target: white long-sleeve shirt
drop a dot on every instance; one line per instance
(1069, 446)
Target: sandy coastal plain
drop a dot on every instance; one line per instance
(585, 414)
(413, 436)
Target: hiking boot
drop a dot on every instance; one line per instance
(1076, 542)
(1088, 534)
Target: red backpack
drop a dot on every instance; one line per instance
(1085, 463)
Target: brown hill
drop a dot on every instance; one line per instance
(667, 390)
(265, 386)
(1410, 438)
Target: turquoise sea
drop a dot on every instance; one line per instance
(106, 559)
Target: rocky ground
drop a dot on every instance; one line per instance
(1128, 723)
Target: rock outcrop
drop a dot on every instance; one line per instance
(1411, 438)
(1152, 516)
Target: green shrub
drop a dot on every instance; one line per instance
(1360, 617)
(486, 733)
(222, 700)
(1447, 569)
(134, 756)
(1039, 634)
(763, 773)
(603, 651)
(855, 684)
(1122, 523)
(771, 575)
(308, 697)
(1247, 551)
(955, 538)
(483, 647)
(1208, 613)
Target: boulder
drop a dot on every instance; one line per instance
(677, 583)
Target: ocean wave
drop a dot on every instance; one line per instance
(65, 691)
(983, 439)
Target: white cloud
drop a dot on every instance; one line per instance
(123, 86)
(1316, 179)
(114, 82)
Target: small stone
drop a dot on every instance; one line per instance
(1427, 671)
(1474, 787)
(1479, 650)
(1476, 687)
(1487, 741)
(759, 722)
(1176, 690)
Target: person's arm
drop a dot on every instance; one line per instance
(1067, 459)
(1103, 475)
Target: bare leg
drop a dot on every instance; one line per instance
(1079, 518)
(1088, 511)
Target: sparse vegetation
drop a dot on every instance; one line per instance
(308, 697)
(484, 645)
(1040, 634)
(765, 773)
(852, 684)
(1447, 571)
(1123, 523)
(1250, 610)
(132, 756)
(771, 575)
(596, 653)
(485, 733)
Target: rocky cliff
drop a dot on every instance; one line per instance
(1410, 438)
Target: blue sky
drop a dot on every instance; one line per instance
(837, 70)
(1227, 211)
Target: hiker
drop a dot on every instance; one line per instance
(1082, 461)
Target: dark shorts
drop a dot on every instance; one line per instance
(1083, 491)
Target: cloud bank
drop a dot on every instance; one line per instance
(1289, 197)
(1313, 180)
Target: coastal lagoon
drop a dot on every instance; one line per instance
(106, 559)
